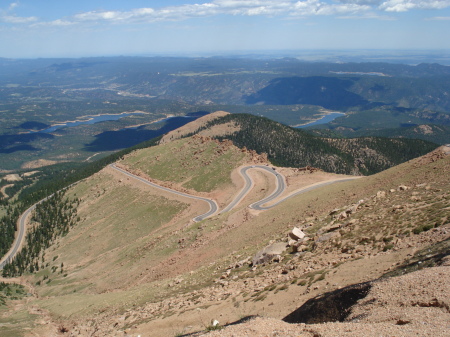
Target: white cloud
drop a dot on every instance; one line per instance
(253, 7)
(17, 19)
(368, 15)
(406, 5)
(316, 7)
(362, 2)
(12, 6)
(149, 14)
(6, 16)
(59, 22)
(289, 8)
(217, 7)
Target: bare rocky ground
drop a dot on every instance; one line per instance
(399, 229)
(416, 304)
(355, 236)
(190, 128)
(38, 163)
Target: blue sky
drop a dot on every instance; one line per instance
(59, 28)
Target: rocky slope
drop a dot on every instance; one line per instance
(399, 228)
(144, 271)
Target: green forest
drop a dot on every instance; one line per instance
(53, 218)
(286, 146)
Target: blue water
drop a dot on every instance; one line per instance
(325, 119)
(92, 120)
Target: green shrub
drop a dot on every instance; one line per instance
(423, 228)
(388, 247)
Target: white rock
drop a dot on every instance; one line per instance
(267, 253)
(297, 234)
(381, 194)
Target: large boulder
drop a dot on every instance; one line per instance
(296, 234)
(269, 252)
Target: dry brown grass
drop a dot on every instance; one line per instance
(139, 258)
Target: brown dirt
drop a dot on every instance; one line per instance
(38, 163)
(29, 174)
(195, 125)
(416, 304)
(354, 252)
(3, 189)
(12, 177)
(227, 300)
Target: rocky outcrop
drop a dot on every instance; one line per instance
(269, 252)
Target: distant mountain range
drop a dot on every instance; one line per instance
(378, 99)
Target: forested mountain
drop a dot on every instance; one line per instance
(439, 134)
(286, 146)
(36, 95)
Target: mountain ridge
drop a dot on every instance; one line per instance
(144, 271)
(286, 146)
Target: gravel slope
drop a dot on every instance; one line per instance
(415, 304)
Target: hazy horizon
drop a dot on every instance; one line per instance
(52, 29)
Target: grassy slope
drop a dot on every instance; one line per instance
(194, 163)
(143, 266)
(124, 231)
(118, 222)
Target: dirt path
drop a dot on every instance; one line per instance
(4, 189)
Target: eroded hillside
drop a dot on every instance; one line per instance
(136, 264)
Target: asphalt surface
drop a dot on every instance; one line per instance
(213, 208)
(280, 187)
(20, 237)
(307, 189)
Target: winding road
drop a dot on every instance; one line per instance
(213, 207)
(22, 225)
(280, 187)
(19, 239)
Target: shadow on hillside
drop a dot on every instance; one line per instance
(116, 140)
(329, 307)
(32, 125)
(328, 92)
(14, 143)
(23, 147)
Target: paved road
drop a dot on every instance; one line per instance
(213, 208)
(22, 223)
(20, 237)
(280, 187)
(307, 189)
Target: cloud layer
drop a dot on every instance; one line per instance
(268, 8)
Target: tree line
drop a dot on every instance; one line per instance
(290, 147)
(53, 218)
(52, 179)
